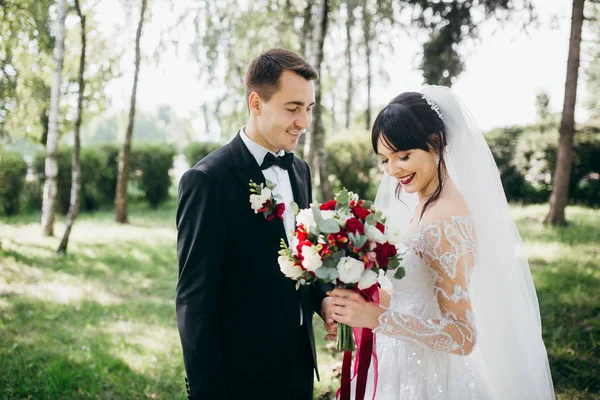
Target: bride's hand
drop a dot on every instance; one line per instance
(352, 309)
(384, 298)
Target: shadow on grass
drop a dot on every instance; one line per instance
(57, 351)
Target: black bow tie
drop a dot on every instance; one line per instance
(284, 161)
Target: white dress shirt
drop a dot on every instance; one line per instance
(279, 177)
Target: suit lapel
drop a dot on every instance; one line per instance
(245, 168)
(298, 184)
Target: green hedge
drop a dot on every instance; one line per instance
(150, 169)
(99, 169)
(196, 151)
(13, 170)
(352, 164)
(98, 177)
(526, 158)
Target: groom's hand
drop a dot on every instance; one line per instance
(327, 313)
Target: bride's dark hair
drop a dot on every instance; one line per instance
(409, 122)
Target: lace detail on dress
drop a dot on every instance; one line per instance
(448, 249)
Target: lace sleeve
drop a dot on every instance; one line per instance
(448, 248)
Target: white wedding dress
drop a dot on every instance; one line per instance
(464, 322)
(423, 336)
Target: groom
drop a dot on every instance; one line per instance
(245, 330)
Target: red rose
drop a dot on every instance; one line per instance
(279, 209)
(329, 206)
(353, 225)
(361, 213)
(384, 252)
(301, 233)
(380, 227)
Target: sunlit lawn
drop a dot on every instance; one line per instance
(100, 322)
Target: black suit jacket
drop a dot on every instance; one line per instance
(238, 315)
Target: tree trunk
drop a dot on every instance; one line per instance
(75, 163)
(306, 48)
(124, 159)
(314, 150)
(367, 23)
(560, 190)
(51, 167)
(349, 23)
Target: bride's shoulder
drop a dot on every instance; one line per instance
(448, 208)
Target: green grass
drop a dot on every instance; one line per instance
(99, 323)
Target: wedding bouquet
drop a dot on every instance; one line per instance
(344, 242)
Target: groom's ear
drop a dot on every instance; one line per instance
(254, 103)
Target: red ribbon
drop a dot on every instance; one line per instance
(365, 343)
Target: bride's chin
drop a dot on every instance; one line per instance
(409, 188)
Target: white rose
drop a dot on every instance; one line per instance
(368, 279)
(350, 269)
(256, 202)
(265, 194)
(374, 234)
(312, 260)
(393, 236)
(288, 267)
(305, 217)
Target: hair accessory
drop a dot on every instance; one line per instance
(433, 106)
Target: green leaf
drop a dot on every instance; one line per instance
(328, 263)
(316, 214)
(400, 272)
(343, 198)
(362, 240)
(327, 274)
(367, 204)
(297, 285)
(357, 239)
(337, 256)
(393, 263)
(371, 219)
(270, 185)
(294, 208)
(328, 226)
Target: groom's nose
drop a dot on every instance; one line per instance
(303, 120)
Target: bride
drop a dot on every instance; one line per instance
(464, 322)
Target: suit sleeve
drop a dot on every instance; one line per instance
(318, 290)
(200, 246)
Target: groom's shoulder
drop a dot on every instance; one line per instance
(215, 164)
(302, 164)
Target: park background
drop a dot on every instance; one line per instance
(105, 103)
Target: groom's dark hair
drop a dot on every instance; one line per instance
(264, 72)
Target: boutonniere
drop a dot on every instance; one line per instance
(263, 201)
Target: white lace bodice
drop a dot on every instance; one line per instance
(430, 306)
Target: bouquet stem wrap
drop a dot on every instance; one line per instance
(365, 342)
